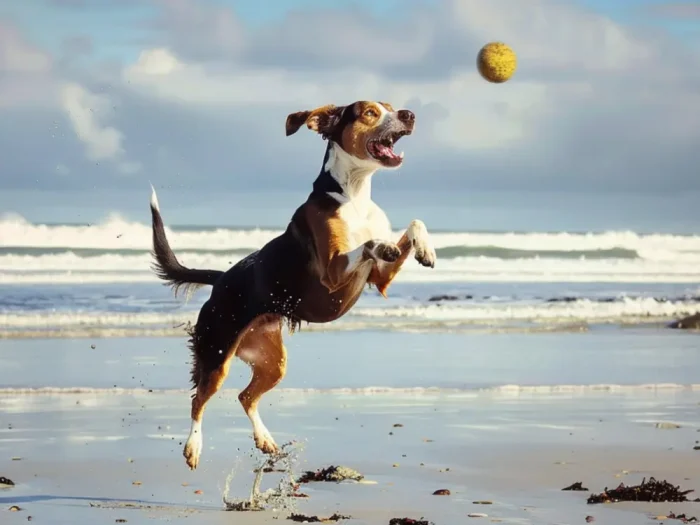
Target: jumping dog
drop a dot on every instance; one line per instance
(336, 243)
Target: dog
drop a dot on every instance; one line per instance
(336, 243)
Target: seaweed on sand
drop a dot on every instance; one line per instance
(651, 490)
(578, 486)
(681, 517)
(315, 519)
(6, 482)
(332, 473)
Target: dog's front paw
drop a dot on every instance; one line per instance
(424, 251)
(425, 255)
(386, 251)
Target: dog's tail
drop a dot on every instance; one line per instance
(167, 267)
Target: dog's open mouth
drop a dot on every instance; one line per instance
(383, 149)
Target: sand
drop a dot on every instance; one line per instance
(509, 419)
(100, 457)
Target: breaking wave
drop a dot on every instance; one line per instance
(118, 234)
(571, 314)
(118, 251)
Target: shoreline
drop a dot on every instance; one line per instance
(661, 324)
(496, 391)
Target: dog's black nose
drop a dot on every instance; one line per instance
(406, 115)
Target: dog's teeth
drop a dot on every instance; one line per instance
(401, 155)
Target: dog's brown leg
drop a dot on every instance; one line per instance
(209, 384)
(262, 348)
(415, 238)
(383, 274)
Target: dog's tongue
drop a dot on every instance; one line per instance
(386, 150)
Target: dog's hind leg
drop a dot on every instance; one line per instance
(213, 346)
(262, 348)
(209, 384)
(260, 345)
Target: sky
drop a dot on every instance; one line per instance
(99, 98)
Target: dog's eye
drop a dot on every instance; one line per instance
(371, 113)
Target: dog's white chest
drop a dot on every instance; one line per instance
(365, 221)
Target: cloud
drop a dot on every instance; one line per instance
(25, 70)
(678, 9)
(86, 111)
(30, 83)
(198, 30)
(594, 106)
(77, 45)
(68, 3)
(18, 55)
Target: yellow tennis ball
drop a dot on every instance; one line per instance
(496, 62)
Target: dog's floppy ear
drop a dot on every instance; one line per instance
(322, 120)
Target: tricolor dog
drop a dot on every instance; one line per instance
(336, 243)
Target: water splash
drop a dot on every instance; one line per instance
(281, 497)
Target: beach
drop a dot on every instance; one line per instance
(454, 411)
(99, 457)
(524, 363)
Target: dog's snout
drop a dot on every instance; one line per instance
(406, 115)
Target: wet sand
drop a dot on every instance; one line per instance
(99, 457)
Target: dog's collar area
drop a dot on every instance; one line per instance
(343, 178)
(328, 183)
(325, 183)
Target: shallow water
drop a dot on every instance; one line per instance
(363, 359)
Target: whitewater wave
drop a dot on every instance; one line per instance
(571, 315)
(578, 310)
(119, 234)
(69, 267)
(449, 252)
(118, 251)
(116, 233)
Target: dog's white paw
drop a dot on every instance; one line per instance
(193, 447)
(424, 251)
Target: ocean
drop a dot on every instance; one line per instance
(66, 280)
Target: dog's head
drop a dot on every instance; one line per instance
(365, 130)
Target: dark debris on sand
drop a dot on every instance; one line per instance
(681, 517)
(435, 298)
(6, 481)
(243, 506)
(578, 486)
(332, 473)
(409, 521)
(301, 518)
(652, 491)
